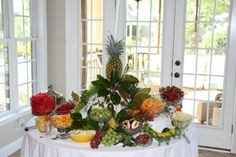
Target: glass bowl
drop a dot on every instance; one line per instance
(62, 122)
(82, 135)
(181, 120)
(143, 140)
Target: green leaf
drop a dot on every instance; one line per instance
(126, 69)
(141, 96)
(128, 140)
(103, 92)
(100, 82)
(115, 97)
(130, 79)
(123, 115)
(91, 124)
(131, 106)
(75, 96)
(78, 124)
(105, 126)
(76, 116)
(123, 93)
(111, 109)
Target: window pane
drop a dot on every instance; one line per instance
(22, 17)
(97, 9)
(143, 34)
(222, 10)
(23, 95)
(131, 14)
(22, 73)
(24, 49)
(144, 15)
(19, 26)
(4, 79)
(157, 10)
(156, 34)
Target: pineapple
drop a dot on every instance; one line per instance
(114, 50)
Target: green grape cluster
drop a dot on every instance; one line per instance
(111, 138)
(100, 114)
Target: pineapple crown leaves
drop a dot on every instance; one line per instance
(114, 48)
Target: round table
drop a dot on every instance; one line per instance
(36, 144)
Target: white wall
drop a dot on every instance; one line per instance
(56, 44)
(9, 132)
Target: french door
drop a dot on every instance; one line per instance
(186, 43)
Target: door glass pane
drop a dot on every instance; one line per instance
(91, 37)
(206, 36)
(144, 41)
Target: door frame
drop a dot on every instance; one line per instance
(231, 50)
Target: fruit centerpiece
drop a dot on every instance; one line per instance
(42, 106)
(115, 110)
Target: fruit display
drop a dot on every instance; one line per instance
(131, 126)
(100, 114)
(143, 140)
(171, 95)
(82, 135)
(41, 122)
(181, 120)
(163, 136)
(97, 139)
(111, 138)
(151, 108)
(64, 108)
(62, 121)
(114, 109)
(114, 50)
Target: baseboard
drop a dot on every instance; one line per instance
(214, 149)
(11, 148)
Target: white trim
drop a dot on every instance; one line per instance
(11, 148)
(11, 116)
(232, 49)
(13, 72)
(167, 51)
(109, 8)
(42, 64)
(178, 45)
(72, 40)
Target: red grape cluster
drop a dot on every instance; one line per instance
(64, 108)
(171, 94)
(96, 140)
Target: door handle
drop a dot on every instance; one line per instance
(176, 75)
(177, 63)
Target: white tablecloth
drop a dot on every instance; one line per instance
(40, 145)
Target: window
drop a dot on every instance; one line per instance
(91, 25)
(144, 41)
(18, 53)
(25, 35)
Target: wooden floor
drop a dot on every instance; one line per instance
(202, 153)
